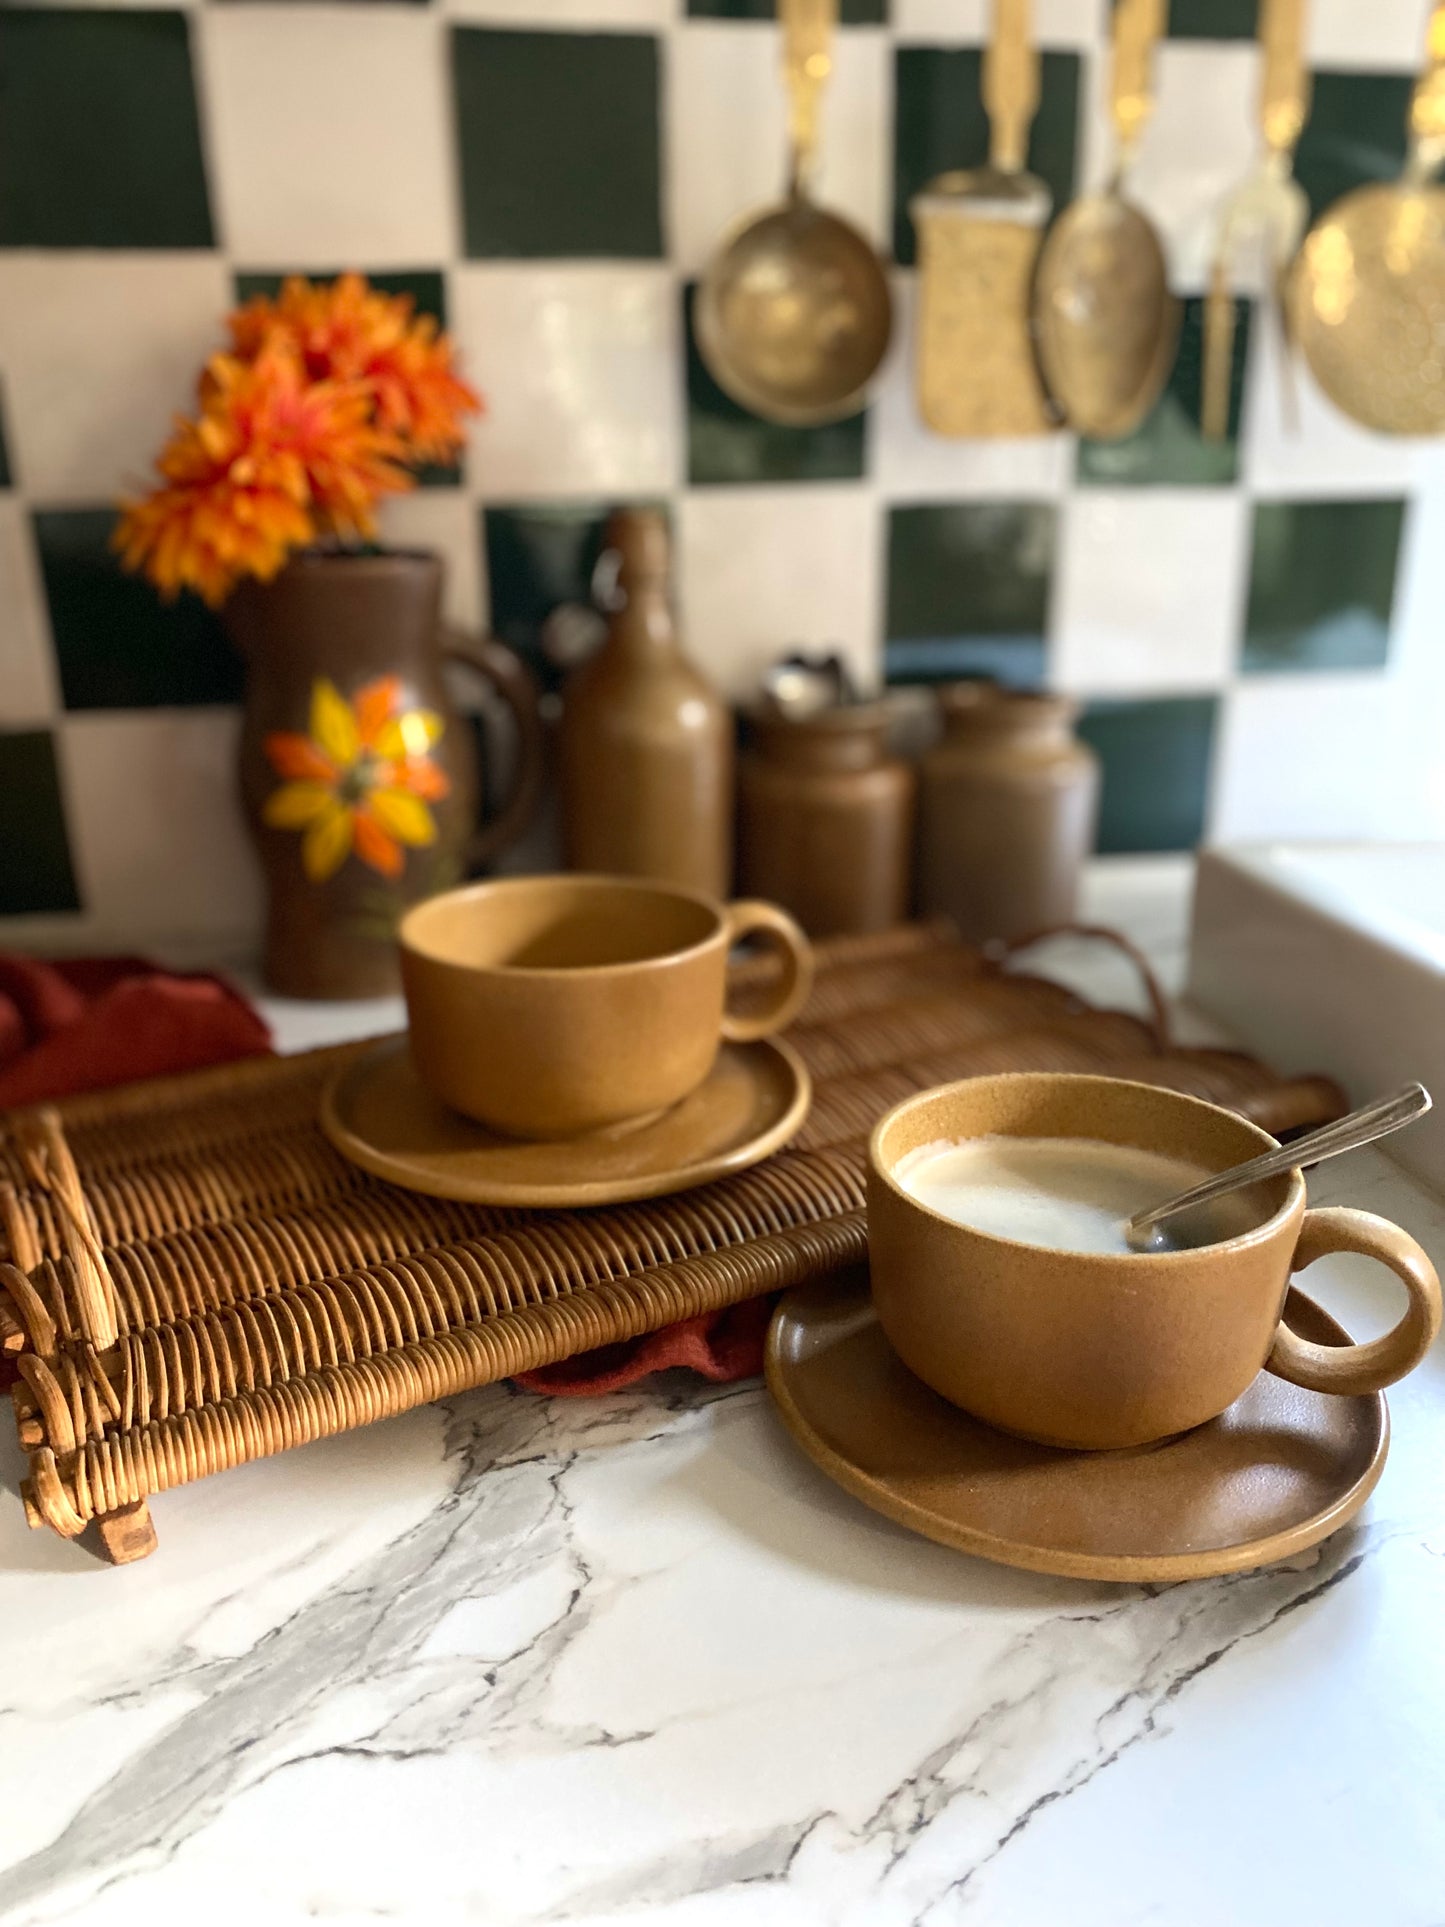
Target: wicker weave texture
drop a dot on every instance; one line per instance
(193, 1277)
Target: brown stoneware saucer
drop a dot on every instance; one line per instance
(379, 1114)
(1280, 1470)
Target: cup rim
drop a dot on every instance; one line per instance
(1243, 1241)
(584, 882)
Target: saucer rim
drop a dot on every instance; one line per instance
(1121, 1568)
(662, 1183)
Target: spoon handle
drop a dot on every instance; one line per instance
(1371, 1121)
(1137, 27)
(807, 62)
(1010, 84)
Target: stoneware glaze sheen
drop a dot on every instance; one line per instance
(550, 1006)
(1100, 1351)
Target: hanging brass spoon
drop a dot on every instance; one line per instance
(1106, 323)
(1367, 297)
(793, 313)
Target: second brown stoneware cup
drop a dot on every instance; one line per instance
(1098, 1351)
(552, 1006)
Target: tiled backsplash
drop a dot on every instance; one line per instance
(1258, 627)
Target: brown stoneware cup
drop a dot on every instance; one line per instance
(551, 1006)
(1096, 1351)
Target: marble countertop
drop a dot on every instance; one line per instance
(633, 1661)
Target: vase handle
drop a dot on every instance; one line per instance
(514, 683)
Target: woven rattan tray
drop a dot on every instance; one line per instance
(194, 1278)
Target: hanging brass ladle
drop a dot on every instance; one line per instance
(793, 313)
(1106, 323)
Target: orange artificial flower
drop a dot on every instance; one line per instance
(247, 482)
(360, 779)
(349, 332)
(330, 395)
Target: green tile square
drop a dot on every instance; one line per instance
(427, 288)
(100, 144)
(1355, 133)
(851, 13)
(975, 570)
(540, 559)
(1213, 19)
(36, 873)
(1321, 585)
(117, 645)
(558, 140)
(939, 123)
(727, 444)
(1167, 447)
(1156, 759)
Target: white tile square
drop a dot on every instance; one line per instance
(160, 850)
(1056, 23)
(29, 685)
(765, 571)
(1326, 454)
(1149, 589)
(581, 370)
(1367, 35)
(1202, 141)
(565, 13)
(445, 521)
(98, 352)
(726, 132)
(1337, 756)
(910, 463)
(330, 135)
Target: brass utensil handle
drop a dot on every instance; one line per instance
(1284, 93)
(1137, 27)
(1427, 107)
(808, 27)
(1350, 1370)
(1010, 84)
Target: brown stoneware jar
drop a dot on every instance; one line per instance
(825, 819)
(1008, 801)
(647, 742)
(359, 780)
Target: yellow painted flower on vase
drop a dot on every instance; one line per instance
(361, 779)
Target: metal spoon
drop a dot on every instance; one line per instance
(1371, 1121)
(1107, 324)
(793, 313)
(1368, 290)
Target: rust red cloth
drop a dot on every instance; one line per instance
(86, 1022)
(721, 1345)
(83, 1023)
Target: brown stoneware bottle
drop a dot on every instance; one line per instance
(825, 819)
(1008, 800)
(647, 742)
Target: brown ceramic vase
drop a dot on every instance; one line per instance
(1006, 813)
(646, 742)
(359, 780)
(1094, 1350)
(825, 820)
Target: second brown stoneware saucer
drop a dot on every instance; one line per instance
(1276, 1473)
(379, 1114)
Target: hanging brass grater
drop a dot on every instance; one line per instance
(979, 232)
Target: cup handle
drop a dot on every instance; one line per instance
(1370, 1367)
(767, 920)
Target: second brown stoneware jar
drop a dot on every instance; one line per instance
(647, 742)
(825, 819)
(358, 777)
(1008, 801)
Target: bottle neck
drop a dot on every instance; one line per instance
(1036, 721)
(642, 629)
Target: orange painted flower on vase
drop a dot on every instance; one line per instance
(360, 780)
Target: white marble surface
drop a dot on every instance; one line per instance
(634, 1662)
